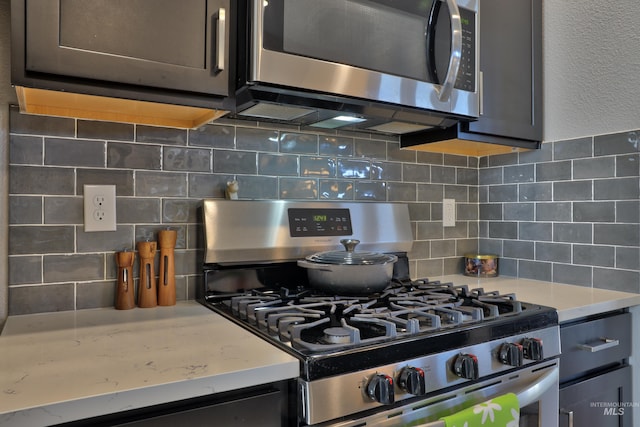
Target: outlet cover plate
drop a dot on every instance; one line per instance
(449, 212)
(99, 208)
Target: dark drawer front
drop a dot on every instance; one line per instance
(591, 402)
(589, 345)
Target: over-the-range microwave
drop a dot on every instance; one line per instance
(392, 66)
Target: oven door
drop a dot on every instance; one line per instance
(536, 388)
(414, 53)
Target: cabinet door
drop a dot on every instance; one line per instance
(595, 401)
(511, 71)
(169, 44)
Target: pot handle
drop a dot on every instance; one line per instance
(312, 265)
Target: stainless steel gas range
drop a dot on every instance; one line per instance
(405, 355)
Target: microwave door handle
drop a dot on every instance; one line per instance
(444, 91)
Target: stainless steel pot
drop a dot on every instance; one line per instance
(348, 271)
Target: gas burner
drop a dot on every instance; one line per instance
(338, 335)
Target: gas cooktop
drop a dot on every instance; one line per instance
(406, 319)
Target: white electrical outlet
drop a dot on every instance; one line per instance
(449, 212)
(99, 208)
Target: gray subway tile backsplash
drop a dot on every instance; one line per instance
(72, 152)
(134, 156)
(627, 211)
(299, 143)
(186, 159)
(227, 161)
(41, 125)
(44, 299)
(601, 256)
(63, 210)
(372, 191)
(535, 231)
(66, 268)
(519, 211)
(278, 164)
(616, 143)
(333, 189)
(91, 129)
(39, 180)
(617, 234)
(553, 171)
(335, 146)
(573, 190)
(204, 136)
(538, 192)
(549, 251)
(523, 206)
(163, 135)
(573, 149)
(161, 184)
(535, 270)
(41, 239)
(594, 212)
(25, 149)
(572, 274)
(553, 211)
(503, 193)
(519, 173)
(573, 233)
(615, 279)
(628, 165)
(618, 189)
(599, 167)
(25, 210)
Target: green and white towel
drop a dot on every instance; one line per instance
(503, 411)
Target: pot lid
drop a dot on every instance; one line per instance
(350, 257)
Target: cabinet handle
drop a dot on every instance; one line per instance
(606, 343)
(569, 415)
(221, 30)
(481, 91)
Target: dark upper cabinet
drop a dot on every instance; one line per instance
(111, 47)
(511, 67)
(511, 79)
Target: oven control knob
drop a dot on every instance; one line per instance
(466, 366)
(380, 389)
(532, 348)
(511, 353)
(412, 381)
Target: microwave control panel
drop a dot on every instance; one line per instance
(466, 74)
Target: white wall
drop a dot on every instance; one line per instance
(591, 67)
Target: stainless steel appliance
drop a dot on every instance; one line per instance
(407, 355)
(382, 65)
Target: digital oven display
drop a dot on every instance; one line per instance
(319, 222)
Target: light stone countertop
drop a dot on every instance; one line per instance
(57, 367)
(572, 302)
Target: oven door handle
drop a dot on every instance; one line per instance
(526, 397)
(533, 392)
